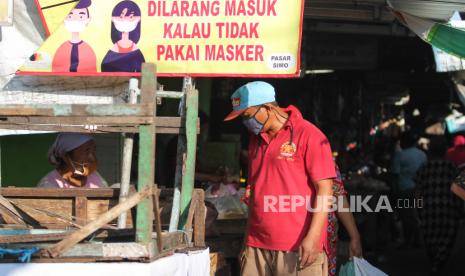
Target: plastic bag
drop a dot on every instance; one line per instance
(227, 201)
(347, 269)
(364, 268)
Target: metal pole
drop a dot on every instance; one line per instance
(127, 155)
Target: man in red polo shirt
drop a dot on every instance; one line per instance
(290, 167)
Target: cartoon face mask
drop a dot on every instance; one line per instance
(125, 26)
(75, 26)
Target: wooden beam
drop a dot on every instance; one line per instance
(188, 174)
(77, 236)
(83, 120)
(174, 122)
(9, 212)
(80, 209)
(82, 129)
(70, 193)
(77, 110)
(156, 212)
(199, 219)
(27, 238)
(59, 193)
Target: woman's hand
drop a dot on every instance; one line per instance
(355, 248)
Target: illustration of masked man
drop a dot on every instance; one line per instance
(75, 55)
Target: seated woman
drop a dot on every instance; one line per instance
(74, 156)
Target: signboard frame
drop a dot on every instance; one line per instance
(264, 68)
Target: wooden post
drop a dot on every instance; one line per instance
(192, 106)
(80, 207)
(146, 164)
(200, 214)
(180, 160)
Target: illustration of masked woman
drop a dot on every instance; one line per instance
(124, 56)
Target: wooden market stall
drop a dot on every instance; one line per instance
(79, 225)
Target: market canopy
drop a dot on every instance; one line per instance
(444, 36)
(259, 38)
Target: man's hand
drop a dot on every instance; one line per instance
(355, 248)
(309, 250)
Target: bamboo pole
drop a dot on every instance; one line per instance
(127, 155)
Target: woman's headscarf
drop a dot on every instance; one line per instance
(66, 142)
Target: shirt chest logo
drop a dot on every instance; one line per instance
(287, 150)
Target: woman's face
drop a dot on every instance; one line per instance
(126, 22)
(83, 159)
(85, 153)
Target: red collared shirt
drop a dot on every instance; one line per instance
(281, 173)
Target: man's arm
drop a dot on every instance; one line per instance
(310, 246)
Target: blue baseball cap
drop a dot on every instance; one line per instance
(251, 94)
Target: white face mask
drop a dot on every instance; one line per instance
(125, 26)
(74, 26)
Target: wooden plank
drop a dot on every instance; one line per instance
(82, 129)
(199, 218)
(67, 243)
(79, 120)
(84, 252)
(162, 121)
(28, 211)
(27, 238)
(148, 85)
(64, 208)
(146, 167)
(192, 106)
(217, 261)
(60, 207)
(143, 109)
(190, 217)
(96, 207)
(156, 212)
(9, 213)
(59, 193)
(80, 209)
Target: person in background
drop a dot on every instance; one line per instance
(288, 157)
(458, 186)
(456, 153)
(74, 156)
(441, 211)
(405, 165)
(348, 221)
